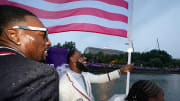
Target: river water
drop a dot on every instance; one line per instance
(170, 83)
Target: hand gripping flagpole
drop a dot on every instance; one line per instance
(130, 48)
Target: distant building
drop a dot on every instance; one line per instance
(105, 51)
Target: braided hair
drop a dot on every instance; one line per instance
(142, 90)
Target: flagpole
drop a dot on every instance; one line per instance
(130, 48)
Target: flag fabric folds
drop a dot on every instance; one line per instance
(108, 17)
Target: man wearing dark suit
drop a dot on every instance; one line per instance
(23, 46)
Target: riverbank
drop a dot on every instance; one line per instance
(155, 71)
(100, 70)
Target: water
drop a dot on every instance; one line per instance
(170, 83)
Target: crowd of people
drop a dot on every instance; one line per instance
(25, 76)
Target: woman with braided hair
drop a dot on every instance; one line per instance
(145, 90)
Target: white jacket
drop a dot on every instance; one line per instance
(71, 90)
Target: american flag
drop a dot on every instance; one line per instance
(108, 17)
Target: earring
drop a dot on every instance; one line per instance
(18, 43)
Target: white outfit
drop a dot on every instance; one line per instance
(77, 87)
(62, 69)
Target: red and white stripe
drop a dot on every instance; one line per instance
(77, 88)
(99, 16)
(7, 53)
(108, 77)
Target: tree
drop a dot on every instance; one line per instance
(100, 57)
(57, 46)
(176, 62)
(155, 62)
(137, 58)
(68, 45)
(163, 56)
(91, 58)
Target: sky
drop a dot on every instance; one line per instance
(151, 20)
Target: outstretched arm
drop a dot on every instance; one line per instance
(102, 78)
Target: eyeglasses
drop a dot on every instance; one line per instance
(33, 29)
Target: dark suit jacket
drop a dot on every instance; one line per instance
(22, 79)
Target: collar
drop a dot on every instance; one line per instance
(9, 51)
(74, 73)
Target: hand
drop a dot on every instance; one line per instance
(126, 68)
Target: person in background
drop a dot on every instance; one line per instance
(75, 84)
(145, 90)
(23, 46)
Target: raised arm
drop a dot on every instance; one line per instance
(102, 78)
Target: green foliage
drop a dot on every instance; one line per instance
(155, 62)
(153, 58)
(57, 46)
(176, 63)
(160, 56)
(91, 58)
(68, 45)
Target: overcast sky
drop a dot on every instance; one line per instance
(152, 19)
